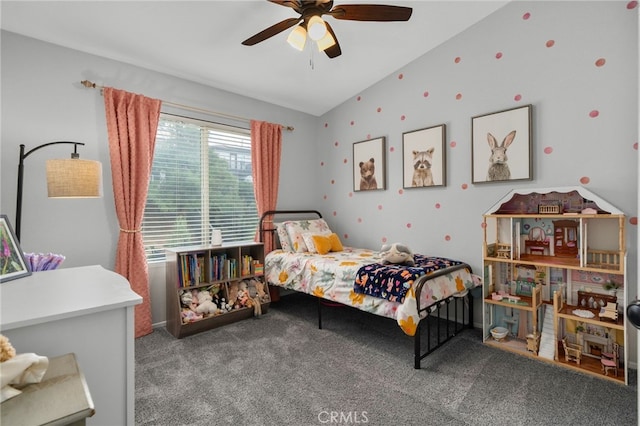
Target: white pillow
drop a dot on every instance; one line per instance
(307, 237)
(295, 229)
(285, 244)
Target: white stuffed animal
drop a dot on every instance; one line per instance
(397, 253)
(205, 303)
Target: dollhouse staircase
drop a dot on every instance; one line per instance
(548, 339)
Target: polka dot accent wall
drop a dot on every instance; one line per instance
(530, 53)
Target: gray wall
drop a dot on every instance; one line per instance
(563, 84)
(43, 101)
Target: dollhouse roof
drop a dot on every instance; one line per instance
(570, 199)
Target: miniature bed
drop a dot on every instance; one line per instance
(311, 259)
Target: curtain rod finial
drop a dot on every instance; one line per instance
(89, 84)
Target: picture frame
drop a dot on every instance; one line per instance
(13, 264)
(369, 165)
(491, 135)
(424, 157)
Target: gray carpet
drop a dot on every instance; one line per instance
(280, 369)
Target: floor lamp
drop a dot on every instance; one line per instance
(69, 178)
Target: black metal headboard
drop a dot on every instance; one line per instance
(267, 220)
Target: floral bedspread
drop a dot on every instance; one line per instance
(332, 277)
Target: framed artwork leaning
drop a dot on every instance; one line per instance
(424, 157)
(494, 135)
(12, 261)
(369, 171)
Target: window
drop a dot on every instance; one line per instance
(200, 180)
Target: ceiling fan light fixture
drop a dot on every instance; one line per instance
(326, 42)
(298, 38)
(317, 28)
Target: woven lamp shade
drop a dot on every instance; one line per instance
(74, 178)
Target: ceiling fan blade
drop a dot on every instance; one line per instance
(293, 4)
(371, 12)
(271, 31)
(334, 50)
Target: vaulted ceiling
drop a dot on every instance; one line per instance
(201, 41)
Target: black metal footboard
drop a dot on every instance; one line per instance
(438, 316)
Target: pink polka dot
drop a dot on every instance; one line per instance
(351, 194)
(458, 96)
(392, 149)
(633, 220)
(384, 239)
(333, 181)
(498, 55)
(548, 150)
(594, 113)
(632, 5)
(464, 186)
(457, 60)
(358, 98)
(585, 180)
(409, 225)
(335, 213)
(359, 220)
(447, 237)
(326, 124)
(600, 62)
(379, 109)
(345, 161)
(402, 118)
(483, 225)
(379, 206)
(400, 191)
(635, 146)
(517, 97)
(346, 236)
(325, 196)
(336, 143)
(550, 43)
(526, 16)
(425, 94)
(453, 144)
(353, 122)
(368, 135)
(322, 163)
(437, 205)
(400, 76)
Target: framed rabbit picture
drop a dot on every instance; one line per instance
(501, 146)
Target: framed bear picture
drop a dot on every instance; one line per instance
(423, 157)
(369, 172)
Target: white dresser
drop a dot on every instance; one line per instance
(88, 311)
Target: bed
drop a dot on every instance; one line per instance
(310, 258)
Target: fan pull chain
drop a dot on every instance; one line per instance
(311, 62)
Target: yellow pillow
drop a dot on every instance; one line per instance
(326, 243)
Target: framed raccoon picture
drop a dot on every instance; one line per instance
(369, 172)
(501, 146)
(423, 157)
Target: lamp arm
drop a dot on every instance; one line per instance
(24, 155)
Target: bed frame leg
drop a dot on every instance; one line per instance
(470, 296)
(416, 349)
(319, 313)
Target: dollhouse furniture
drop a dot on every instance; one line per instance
(587, 248)
(572, 352)
(565, 238)
(609, 361)
(88, 311)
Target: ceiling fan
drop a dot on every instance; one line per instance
(312, 24)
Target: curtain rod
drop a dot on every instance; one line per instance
(92, 85)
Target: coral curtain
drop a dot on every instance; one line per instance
(132, 122)
(266, 148)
